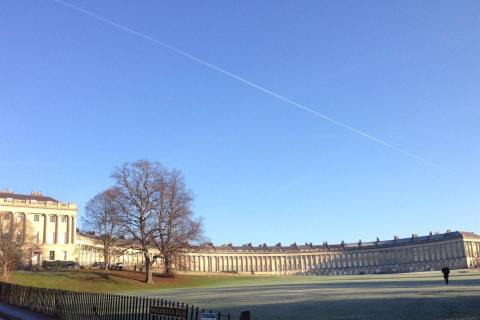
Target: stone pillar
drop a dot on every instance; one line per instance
(56, 229)
(45, 228)
(73, 230)
(24, 226)
(67, 236)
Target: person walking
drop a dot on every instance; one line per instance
(446, 272)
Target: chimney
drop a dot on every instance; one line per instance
(37, 193)
(6, 190)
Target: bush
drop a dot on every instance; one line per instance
(58, 264)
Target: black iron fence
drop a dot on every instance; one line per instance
(72, 305)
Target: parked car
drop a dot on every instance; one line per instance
(118, 266)
(98, 265)
(72, 265)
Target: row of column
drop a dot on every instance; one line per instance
(70, 229)
(472, 249)
(70, 234)
(285, 263)
(88, 254)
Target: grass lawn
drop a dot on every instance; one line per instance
(129, 281)
(117, 281)
(398, 296)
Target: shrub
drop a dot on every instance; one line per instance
(58, 264)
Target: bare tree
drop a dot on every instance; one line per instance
(102, 215)
(178, 231)
(138, 194)
(16, 243)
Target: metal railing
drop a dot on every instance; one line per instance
(73, 305)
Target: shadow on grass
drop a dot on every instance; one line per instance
(461, 308)
(410, 285)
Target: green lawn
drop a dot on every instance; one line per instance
(116, 281)
(399, 296)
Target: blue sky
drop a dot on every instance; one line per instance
(79, 97)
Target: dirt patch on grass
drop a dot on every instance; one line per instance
(136, 276)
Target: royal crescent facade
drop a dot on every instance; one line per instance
(53, 225)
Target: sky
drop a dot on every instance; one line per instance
(79, 97)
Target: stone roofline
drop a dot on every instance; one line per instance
(5, 201)
(325, 247)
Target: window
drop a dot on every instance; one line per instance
(37, 237)
(36, 217)
(65, 255)
(52, 218)
(64, 219)
(6, 215)
(52, 255)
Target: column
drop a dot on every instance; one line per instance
(67, 237)
(45, 228)
(73, 230)
(24, 226)
(56, 229)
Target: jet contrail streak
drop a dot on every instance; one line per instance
(249, 83)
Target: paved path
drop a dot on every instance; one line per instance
(14, 313)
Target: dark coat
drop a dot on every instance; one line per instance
(446, 271)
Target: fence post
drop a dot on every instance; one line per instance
(245, 315)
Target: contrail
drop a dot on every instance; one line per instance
(249, 83)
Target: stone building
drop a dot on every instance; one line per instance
(51, 224)
(432, 252)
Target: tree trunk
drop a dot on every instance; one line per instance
(5, 272)
(148, 269)
(168, 266)
(106, 258)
